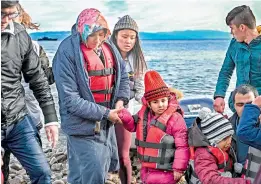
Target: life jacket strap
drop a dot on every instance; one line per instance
(103, 72)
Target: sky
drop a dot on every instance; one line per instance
(150, 15)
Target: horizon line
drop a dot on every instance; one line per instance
(39, 31)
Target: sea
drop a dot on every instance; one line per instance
(191, 66)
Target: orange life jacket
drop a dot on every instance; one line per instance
(223, 161)
(101, 75)
(155, 148)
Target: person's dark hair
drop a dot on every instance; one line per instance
(241, 15)
(140, 65)
(244, 89)
(8, 4)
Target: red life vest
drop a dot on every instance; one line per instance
(223, 161)
(155, 148)
(101, 75)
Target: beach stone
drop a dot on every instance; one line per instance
(61, 158)
(57, 167)
(109, 182)
(53, 160)
(64, 179)
(58, 182)
(65, 172)
(58, 176)
(48, 150)
(12, 175)
(26, 178)
(16, 180)
(21, 172)
(16, 166)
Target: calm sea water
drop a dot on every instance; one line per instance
(188, 65)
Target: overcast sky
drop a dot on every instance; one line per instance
(151, 15)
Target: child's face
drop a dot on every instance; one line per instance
(159, 106)
(225, 143)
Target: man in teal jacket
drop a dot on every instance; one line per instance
(244, 54)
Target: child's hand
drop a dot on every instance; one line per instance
(125, 115)
(123, 112)
(177, 175)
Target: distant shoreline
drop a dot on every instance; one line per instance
(174, 35)
(187, 39)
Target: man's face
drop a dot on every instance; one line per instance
(238, 32)
(241, 100)
(7, 14)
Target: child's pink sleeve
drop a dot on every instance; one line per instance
(207, 169)
(129, 121)
(180, 134)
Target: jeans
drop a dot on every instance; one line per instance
(21, 139)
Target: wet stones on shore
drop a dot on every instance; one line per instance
(57, 159)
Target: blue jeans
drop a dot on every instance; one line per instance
(21, 139)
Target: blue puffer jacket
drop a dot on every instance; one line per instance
(247, 61)
(249, 129)
(78, 110)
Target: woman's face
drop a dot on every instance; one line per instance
(95, 39)
(126, 39)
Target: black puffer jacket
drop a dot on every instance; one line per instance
(45, 65)
(18, 56)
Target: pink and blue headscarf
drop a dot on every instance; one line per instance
(89, 21)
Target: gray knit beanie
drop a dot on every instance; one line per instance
(214, 126)
(126, 22)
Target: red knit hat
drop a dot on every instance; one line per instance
(155, 87)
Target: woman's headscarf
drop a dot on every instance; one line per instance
(89, 21)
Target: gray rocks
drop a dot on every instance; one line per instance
(58, 182)
(16, 166)
(57, 159)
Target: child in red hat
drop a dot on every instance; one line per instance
(161, 133)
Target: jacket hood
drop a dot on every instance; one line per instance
(13, 28)
(195, 137)
(89, 21)
(73, 29)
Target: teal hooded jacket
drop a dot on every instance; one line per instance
(246, 58)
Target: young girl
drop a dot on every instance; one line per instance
(161, 133)
(126, 38)
(211, 142)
